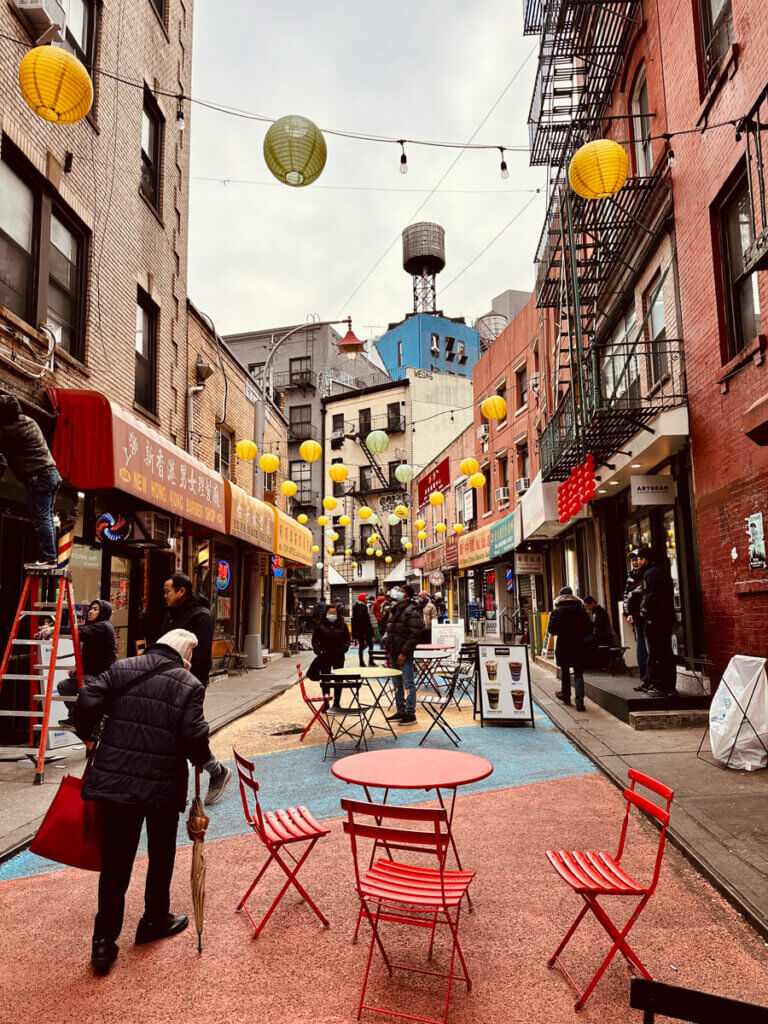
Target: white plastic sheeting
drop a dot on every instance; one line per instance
(738, 715)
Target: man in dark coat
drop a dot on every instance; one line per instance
(570, 623)
(25, 449)
(154, 725)
(362, 628)
(657, 608)
(632, 597)
(404, 626)
(190, 611)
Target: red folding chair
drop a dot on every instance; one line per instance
(405, 893)
(277, 830)
(594, 874)
(315, 704)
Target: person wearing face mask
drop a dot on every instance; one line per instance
(154, 724)
(330, 642)
(405, 625)
(429, 614)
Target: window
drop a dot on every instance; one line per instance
(394, 482)
(503, 472)
(521, 385)
(151, 149)
(366, 479)
(269, 484)
(339, 546)
(17, 238)
(399, 353)
(338, 488)
(300, 422)
(337, 424)
(435, 344)
(450, 348)
(487, 487)
(716, 35)
(222, 453)
(501, 391)
(742, 304)
(523, 461)
(255, 368)
(394, 421)
(656, 331)
(460, 489)
(146, 352)
(301, 474)
(80, 32)
(395, 536)
(64, 285)
(461, 353)
(619, 371)
(641, 127)
(365, 422)
(365, 533)
(301, 370)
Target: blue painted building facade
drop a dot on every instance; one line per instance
(429, 342)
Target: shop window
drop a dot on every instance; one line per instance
(301, 370)
(222, 454)
(151, 149)
(641, 127)
(145, 387)
(521, 386)
(656, 331)
(716, 24)
(619, 368)
(742, 303)
(300, 422)
(80, 32)
(364, 421)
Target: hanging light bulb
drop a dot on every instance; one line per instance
(403, 158)
(180, 112)
(671, 161)
(504, 171)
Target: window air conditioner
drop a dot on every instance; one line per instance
(156, 527)
(522, 484)
(337, 435)
(501, 495)
(40, 14)
(483, 431)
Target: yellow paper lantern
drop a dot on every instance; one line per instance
(494, 408)
(344, 521)
(440, 527)
(477, 480)
(302, 518)
(315, 548)
(420, 524)
(374, 538)
(354, 565)
(369, 551)
(310, 451)
(458, 527)
(295, 150)
(289, 488)
(246, 451)
(388, 559)
(422, 534)
(269, 463)
(330, 550)
(365, 512)
(436, 498)
(334, 536)
(599, 169)
(338, 472)
(322, 520)
(379, 552)
(330, 503)
(401, 512)
(408, 545)
(55, 84)
(348, 552)
(469, 466)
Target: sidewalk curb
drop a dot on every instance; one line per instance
(747, 911)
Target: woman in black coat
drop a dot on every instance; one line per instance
(330, 642)
(571, 624)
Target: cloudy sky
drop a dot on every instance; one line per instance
(263, 254)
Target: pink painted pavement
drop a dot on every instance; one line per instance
(296, 971)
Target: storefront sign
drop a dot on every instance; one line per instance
(436, 480)
(475, 547)
(503, 536)
(436, 578)
(293, 540)
(249, 519)
(452, 550)
(526, 563)
(469, 504)
(223, 575)
(434, 558)
(653, 490)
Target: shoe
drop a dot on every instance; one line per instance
(217, 785)
(66, 723)
(151, 931)
(396, 717)
(408, 720)
(103, 954)
(561, 696)
(642, 688)
(580, 707)
(654, 691)
(41, 566)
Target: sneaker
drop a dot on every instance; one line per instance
(41, 566)
(642, 688)
(396, 717)
(151, 931)
(561, 696)
(216, 786)
(103, 955)
(408, 720)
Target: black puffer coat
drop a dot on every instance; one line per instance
(657, 604)
(570, 623)
(362, 628)
(330, 642)
(97, 641)
(405, 624)
(152, 729)
(632, 592)
(194, 615)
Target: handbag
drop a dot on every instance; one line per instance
(72, 831)
(315, 669)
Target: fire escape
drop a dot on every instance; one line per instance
(591, 251)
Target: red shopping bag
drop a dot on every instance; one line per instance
(72, 831)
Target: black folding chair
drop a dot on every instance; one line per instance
(436, 706)
(654, 997)
(467, 665)
(351, 721)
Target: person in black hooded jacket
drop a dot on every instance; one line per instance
(154, 724)
(330, 642)
(570, 623)
(98, 646)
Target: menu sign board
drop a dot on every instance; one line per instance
(452, 550)
(448, 633)
(436, 480)
(504, 693)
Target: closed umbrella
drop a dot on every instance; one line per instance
(197, 824)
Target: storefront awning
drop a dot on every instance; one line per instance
(249, 519)
(540, 517)
(99, 445)
(335, 579)
(475, 547)
(293, 541)
(397, 574)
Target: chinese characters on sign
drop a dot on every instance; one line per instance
(436, 480)
(250, 519)
(475, 547)
(294, 541)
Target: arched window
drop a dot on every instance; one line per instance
(641, 127)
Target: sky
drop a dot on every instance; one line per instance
(263, 254)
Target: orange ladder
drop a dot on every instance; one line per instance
(30, 607)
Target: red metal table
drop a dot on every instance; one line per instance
(414, 768)
(427, 659)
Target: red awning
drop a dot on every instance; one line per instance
(97, 445)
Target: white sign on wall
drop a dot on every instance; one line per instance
(469, 504)
(653, 490)
(527, 562)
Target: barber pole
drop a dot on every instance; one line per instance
(66, 538)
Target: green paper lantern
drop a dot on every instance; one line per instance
(295, 150)
(404, 473)
(377, 442)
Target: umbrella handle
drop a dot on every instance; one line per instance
(198, 773)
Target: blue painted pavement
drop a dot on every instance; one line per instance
(286, 778)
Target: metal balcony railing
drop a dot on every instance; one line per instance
(720, 40)
(283, 380)
(626, 385)
(300, 431)
(304, 498)
(533, 17)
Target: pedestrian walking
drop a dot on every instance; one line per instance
(657, 609)
(190, 611)
(404, 627)
(429, 614)
(154, 724)
(319, 610)
(570, 623)
(362, 629)
(26, 452)
(631, 604)
(330, 642)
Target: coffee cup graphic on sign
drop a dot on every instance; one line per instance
(492, 668)
(493, 697)
(516, 668)
(518, 699)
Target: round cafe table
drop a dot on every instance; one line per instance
(428, 659)
(414, 768)
(372, 674)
